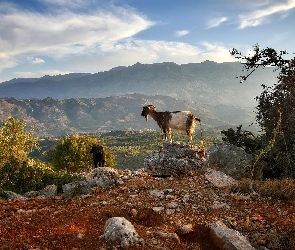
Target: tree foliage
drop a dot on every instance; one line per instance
(72, 153)
(275, 111)
(242, 138)
(15, 141)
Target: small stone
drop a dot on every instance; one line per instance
(80, 235)
(158, 209)
(170, 197)
(172, 204)
(185, 229)
(261, 242)
(170, 211)
(133, 212)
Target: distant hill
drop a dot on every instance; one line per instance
(204, 83)
(53, 117)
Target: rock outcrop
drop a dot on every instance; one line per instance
(98, 177)
(229, 159)
(174, 160)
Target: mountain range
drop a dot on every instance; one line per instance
(113, 100)
(204, 83)
(53, 117)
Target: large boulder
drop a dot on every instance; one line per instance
(229, 159)
(174, 160)
(99, 177)
(119, 232)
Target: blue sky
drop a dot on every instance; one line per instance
(50, 37)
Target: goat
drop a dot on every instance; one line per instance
(179, 120)
(98, 155)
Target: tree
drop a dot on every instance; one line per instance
(15, 141)
(275, 111)
(242, 138)
(72, 153)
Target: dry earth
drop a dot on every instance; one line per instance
(174, 203)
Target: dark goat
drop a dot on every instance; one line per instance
(98, 155)
(179, 120)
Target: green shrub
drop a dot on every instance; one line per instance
(72, 154)
(243, 139)
(31, 175)
(23, 176)
(59, 179)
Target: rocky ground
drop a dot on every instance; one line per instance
(168, 213)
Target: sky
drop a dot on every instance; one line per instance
(51, 37)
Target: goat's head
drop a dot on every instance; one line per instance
(96, 149)
(146, 111)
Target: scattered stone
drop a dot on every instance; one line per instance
(185, 229)
(49, 191)
(120, 232)
(170, 211)
(133, 212)
(219, 179)
(228, 239)
(14, 196)
(220, 205)
(164, 235)
(172, 204)
(157, 193)
(158, 209)
(80, 235)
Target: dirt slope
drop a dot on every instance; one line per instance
(174, 203)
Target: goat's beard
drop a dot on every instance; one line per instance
(146, 117)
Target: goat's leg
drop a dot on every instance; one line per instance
(169, 131)
(164, 135)
(190, 137)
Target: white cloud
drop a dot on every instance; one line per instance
(216, 52)
(35, 60)
(88, 42)
(130, 51)
(66, 33)
(29, 74)
(180, 33)
(215, 22)
(262, 15)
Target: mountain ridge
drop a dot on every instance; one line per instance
(54, 117)
(205, 83)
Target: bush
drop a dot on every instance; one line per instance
(21, 177)
(72, 154)
(59, 179)
(31, 175)
(242, 138)
(278, 189)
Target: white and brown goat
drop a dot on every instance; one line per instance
(179, 120)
